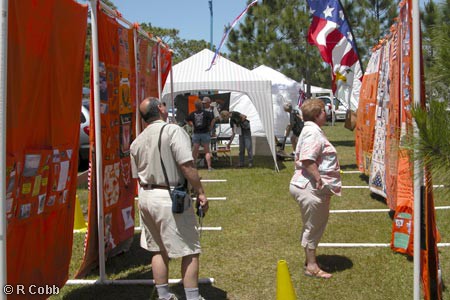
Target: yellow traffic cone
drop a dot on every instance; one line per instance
(79, 224)
(285, 290)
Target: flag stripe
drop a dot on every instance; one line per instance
(331, 33)
(349, 59)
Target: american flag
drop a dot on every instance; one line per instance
(331, 33)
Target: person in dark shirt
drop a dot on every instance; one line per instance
(295, 124)
(240, 125)
(202, 121)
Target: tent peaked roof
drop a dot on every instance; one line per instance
(223, 73)
(191, 75)
(275, 76)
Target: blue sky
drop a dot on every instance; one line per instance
(190, 17)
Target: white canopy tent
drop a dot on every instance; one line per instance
(191, 75)
(284, 90)
(242, 103)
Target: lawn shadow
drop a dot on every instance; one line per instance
(120, 267)
(136, 256)
(281, 164)
(138, 291)
(334, 263)
(111, 291)
(378, 198)
(348, 167)
(364, 177)
(349, 143)
(208, 291)
(222, 162)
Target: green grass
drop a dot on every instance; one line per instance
(261, 225)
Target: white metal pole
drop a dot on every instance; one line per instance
(136, 70)
(333, 108)
(98, 143)
(418, 171)
(172, 98)
(131, 281)
(3, 78)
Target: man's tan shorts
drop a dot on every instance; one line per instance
(162, 230)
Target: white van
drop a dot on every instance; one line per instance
(340, 107)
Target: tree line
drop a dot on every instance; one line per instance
(274, 33)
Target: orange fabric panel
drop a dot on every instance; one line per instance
(46, 44)
(405, 182)
(166, 64)
(144, 67)
(365, 123)
(165, 56)
(432, 288)
(393, 121)
(429, 253)
(117, 117)
(154, 69)
(403, 230)
(191, 103)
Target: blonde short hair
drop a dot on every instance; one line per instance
(311, 108)
(225, 115)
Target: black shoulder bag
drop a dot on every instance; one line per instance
(179, 194)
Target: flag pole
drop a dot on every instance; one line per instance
(211, 24)
(418, 171)
(349, 96)
(354, 40)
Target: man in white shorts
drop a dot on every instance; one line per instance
(164, 233)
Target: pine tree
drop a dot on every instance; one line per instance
(274, 34)
(182, 48)
(370, 21)
(436, 49)
(433, 143)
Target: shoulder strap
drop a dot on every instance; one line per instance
(162, 163)
(160, 157)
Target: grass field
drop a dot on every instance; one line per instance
(261, 225)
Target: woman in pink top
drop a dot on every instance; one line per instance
(316, 179)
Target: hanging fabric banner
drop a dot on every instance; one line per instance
(365, 124)
(46, 43)
(430, 268)
(165, 58)
(402, 233)
(393, 120)
(166, 64)
(377, 178)
(144, 63)
(117, 109)
(403, 226)
(154, 69)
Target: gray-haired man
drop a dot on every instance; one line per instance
(166, 234)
